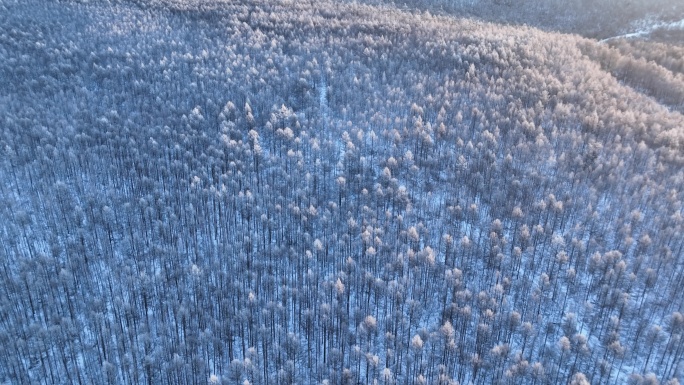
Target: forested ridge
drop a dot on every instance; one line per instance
(598, 19)
(287, 192)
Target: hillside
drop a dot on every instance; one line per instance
(599, 19)
(287, 192)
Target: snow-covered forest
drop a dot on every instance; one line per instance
(590, 18)
(293, 192)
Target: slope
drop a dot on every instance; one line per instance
(289, 192)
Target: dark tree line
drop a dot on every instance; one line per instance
(279, 193)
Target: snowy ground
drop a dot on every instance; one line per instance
(649, 26)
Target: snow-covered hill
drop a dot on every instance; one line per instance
(287, 192)
(648, 28)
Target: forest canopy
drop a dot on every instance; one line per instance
(288, 192)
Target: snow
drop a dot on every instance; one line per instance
(647, 29)
(323, 100)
